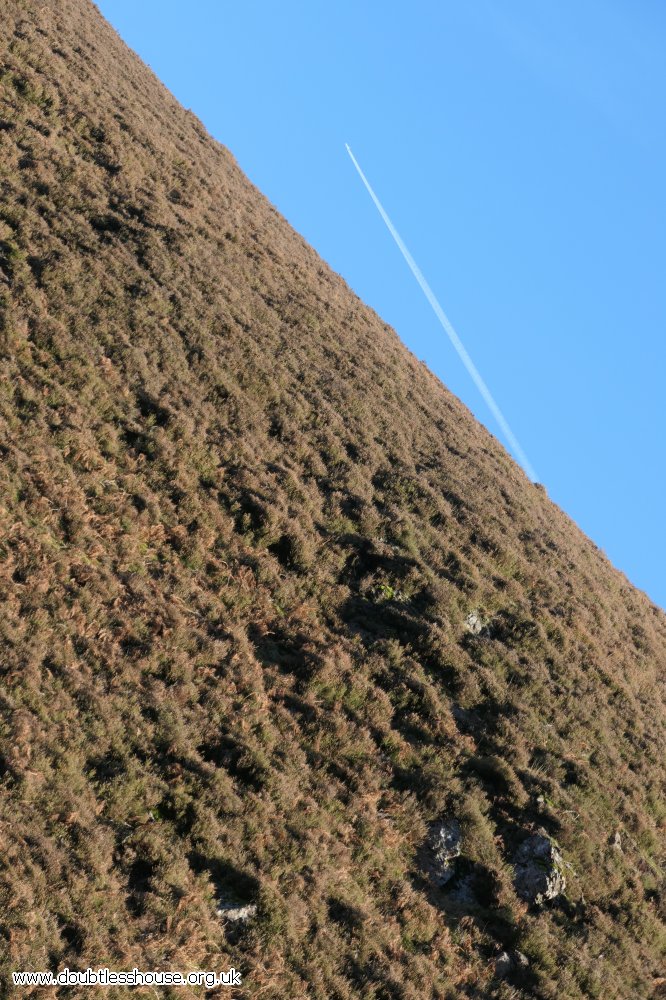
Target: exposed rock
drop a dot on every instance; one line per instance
(538, 870)
(509, 962)
(617, 841)
(503, 965)
(476, 623)
(233, 910)
(444, 841)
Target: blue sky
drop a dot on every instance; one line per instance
(519, 147)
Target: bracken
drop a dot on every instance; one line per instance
(242, 539)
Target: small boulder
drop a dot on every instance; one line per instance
(503, 965)
(444, 842)
(509, 962)
(538, 870)
(476, 623)
(232, 910)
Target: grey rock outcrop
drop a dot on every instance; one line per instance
(538, 870)
(444, 843)
(503, 965)
(233, 910)
(509, 962)
(476, 623)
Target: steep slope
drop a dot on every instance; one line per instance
(274, 603)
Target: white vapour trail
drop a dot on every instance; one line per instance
(450, 332)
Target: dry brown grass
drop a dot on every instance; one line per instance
(235, 569)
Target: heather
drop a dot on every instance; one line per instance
(274, 603)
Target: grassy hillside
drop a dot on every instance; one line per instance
(274, 605)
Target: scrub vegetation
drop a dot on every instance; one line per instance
(243, 533)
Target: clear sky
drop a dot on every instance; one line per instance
(519, 147)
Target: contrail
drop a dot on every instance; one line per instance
(450, 332)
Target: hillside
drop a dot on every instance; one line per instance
(297, 665)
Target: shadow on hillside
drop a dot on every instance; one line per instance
(387, 619)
